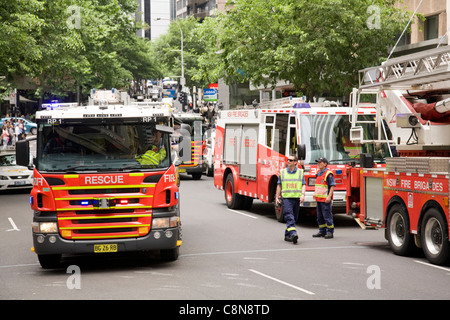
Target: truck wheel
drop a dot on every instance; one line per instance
(233, 200)
(49, 261)
(435, 242)
(170, 254)
(197, 175)
(247, 203)
(399, 237)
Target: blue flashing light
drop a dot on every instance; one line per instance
(338, 171)
(301, 105)
(84, 202)
(31, 200)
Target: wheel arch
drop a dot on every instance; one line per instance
(428, 205)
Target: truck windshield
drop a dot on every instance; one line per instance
(329, 136)
(102, 147)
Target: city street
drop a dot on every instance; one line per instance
(225, 255)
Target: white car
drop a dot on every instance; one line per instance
(13, 176)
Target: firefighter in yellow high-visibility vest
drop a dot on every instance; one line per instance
(156, 153)
(291, 190)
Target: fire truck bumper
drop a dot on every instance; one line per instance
(157, 239)
(339, 202)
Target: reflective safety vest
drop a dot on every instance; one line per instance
(321, 186)
(152, 156)
(291, 183)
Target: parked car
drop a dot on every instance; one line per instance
(30, 126)
(13, 176)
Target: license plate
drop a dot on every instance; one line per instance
(181, 170)
(100, 248)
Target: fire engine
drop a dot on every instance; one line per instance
(91, 194)
(193, 162)
(251, 146)
(410, 196)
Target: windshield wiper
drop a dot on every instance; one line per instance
(83, 166)
(133, 166)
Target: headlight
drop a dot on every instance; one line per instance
(311, 182)
(3, 178)
(45, 227)
(163, 223)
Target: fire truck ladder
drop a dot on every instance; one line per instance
(416, 71)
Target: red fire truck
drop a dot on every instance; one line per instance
(251, 146)
(193, 162)
(410, 197)
(91, 192)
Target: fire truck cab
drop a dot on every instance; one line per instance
(193, 162)
(105, 180)
(251, 147)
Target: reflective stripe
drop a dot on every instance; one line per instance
(291, 229)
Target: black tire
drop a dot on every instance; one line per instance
(233, 200)
(434, 237)
(196, 175)
(49, 261)
(170, 254)
(398, 235)
(247, 203)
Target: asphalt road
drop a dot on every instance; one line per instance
(225, 255)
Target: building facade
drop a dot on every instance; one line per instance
(427, 33)
(149, 11)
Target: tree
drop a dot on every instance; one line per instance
(318, 45)
(67, 45)
(20, 54)
(168, 50)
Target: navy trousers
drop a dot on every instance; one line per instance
(325, 217)
(291, 208)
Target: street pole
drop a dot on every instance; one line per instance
(182, 79)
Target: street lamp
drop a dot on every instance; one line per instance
(182, 79)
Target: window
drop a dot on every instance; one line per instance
(431, 27)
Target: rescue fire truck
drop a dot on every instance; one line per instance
(193, 162)
(252, 145)
(91, 194)
(410, 196)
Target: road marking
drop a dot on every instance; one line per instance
(282, 282)
(432, 265)
(241, 213)
(269, 250)
(13, 225)
(19, 265)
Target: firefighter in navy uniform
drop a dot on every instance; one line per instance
(291, 191)
(323, 193)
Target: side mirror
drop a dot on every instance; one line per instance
(301, 152)
(23, 153)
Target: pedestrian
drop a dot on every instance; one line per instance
(323, 193)
(291, 192)
(5, 136)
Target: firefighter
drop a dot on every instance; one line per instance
(291, 191)
(323, 194)
(156, 153)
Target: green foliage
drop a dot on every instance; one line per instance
(68, 43)
(318, 45)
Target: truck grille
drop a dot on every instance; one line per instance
(103, 213)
